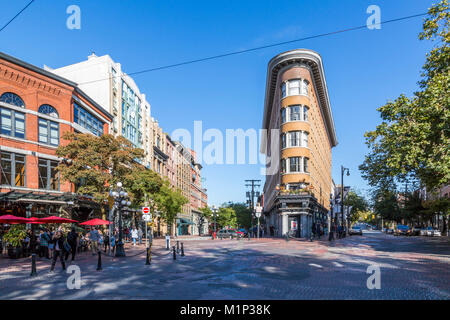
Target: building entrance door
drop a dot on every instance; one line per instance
(294, 226)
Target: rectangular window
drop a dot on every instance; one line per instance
(305, 113)
(19, 125)
(283, 115)
(283, 140)
(294, 164)
(87, 120)
(19, 163)
(294, 87)
(294, 113)
(48, 132)
(12, 123)
(48, 174)
(12, 169)
(294, 139)
(283, 165)
(305, 87)
(305, 139)
(306, 165)
(283, 89)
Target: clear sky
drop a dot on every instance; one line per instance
(363, 68)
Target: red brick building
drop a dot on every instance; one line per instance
(36, 108)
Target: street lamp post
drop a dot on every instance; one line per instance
(214, 210)
(343, 170)
(121, 200)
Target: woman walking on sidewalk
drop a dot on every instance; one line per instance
(58, 241)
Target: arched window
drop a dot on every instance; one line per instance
(12, 98)
(48, 110)
(48, 130)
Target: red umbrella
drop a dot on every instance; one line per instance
(34, 220)
(55, 219)
(10, 219)
(94, 222)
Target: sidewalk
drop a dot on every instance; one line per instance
(43, 264)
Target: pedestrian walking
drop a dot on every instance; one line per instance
(94, 237)
(106, 242)
(58, 241)
(140, 233)
(134, 235)
(113, 242)
(72, 240)
(43, 244)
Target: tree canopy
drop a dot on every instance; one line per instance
(413, 139)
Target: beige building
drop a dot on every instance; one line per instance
(297, 192)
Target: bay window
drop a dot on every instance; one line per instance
(294, 87)
(294, 164)
(294, 113)
(294, 138)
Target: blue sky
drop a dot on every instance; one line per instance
(363, 68)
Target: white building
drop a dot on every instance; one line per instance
(105, 82)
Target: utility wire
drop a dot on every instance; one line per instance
(16, 15)
(259, 48)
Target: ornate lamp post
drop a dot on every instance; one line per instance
(343, 170)
(214, 210)
(121, 200)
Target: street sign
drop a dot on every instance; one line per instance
(145, 210)
(258, 214)
(110, 202)
(147, 217)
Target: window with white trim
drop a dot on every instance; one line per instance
(294, 87)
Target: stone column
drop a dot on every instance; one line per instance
(285, 224)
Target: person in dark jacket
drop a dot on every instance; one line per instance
(72, 240)
(58, 241)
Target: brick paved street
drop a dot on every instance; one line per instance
(411, 268)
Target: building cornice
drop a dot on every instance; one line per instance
(313, 60)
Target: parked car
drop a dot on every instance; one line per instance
(355, 230)
(402, 230)
(430, 231)
(390, 231)
(423, 231)
(243, 231)
(228, 233)
(415, 231)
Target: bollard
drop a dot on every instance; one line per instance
(174, 253)
(148, 258)
(99, 263)
(178, 246)
(248, 236)
(33, 265)
(182, 250)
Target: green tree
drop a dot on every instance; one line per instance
(169, 202)
(358, 204)
(413, 139)
(243, 214)
(94, 163)
(206, 216)
(142, 184)
(385, 203)
(226, 217)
